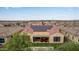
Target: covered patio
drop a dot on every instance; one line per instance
(40, 39)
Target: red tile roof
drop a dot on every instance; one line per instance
(52, 30)
(28, 29)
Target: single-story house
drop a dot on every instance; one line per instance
(44, 33)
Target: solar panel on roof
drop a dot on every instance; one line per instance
(40, 27)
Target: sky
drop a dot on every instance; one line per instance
(39, 13)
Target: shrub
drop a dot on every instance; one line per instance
(71, 46)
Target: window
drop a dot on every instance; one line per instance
(56, 39)
(36, 39)
(40, 39)
(44, 39)
(2, 40)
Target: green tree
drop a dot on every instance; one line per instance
(18, 43)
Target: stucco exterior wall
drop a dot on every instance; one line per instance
(46, 34)
(41, 33)
(51, 40)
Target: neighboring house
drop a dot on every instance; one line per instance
(2, 40)
(44, 33)
(7, 32)
(72, 33)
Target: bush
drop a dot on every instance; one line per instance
(45, 45)
(71, 46)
